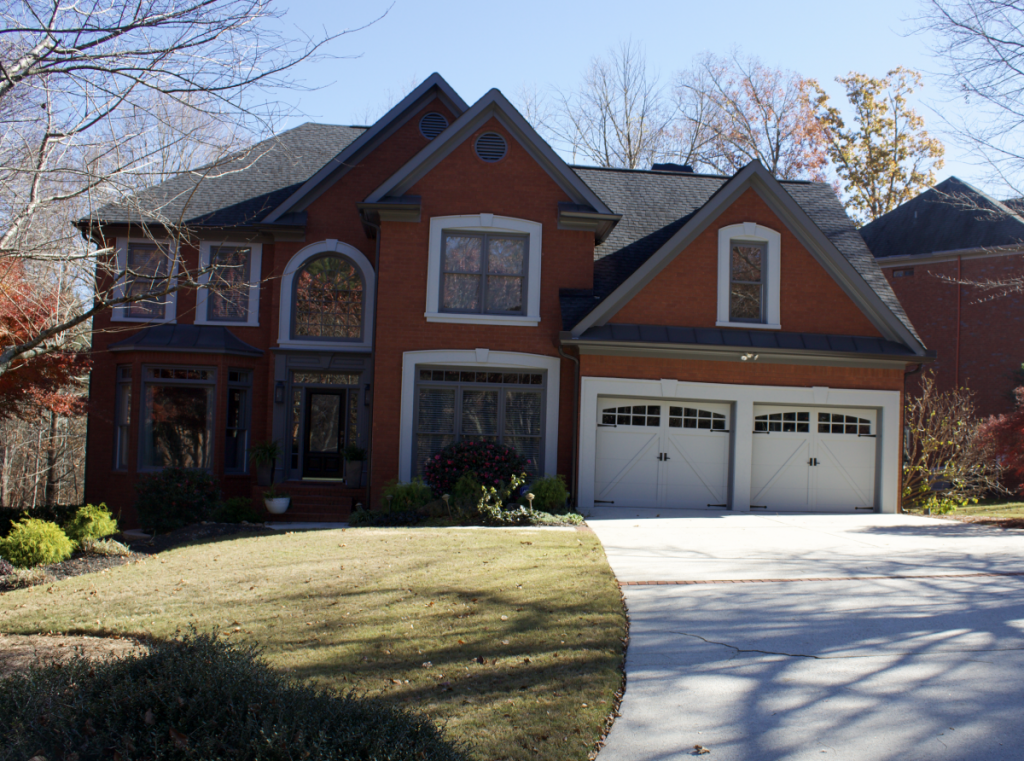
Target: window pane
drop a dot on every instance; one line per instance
(505, 256)
(325, 423)
(461, 292)
(504, 294)
(529, 449)
(746, 263)
(235, 435)
(296, 423)
(329, 300)
(479, 413)
(462, 253)
(428, 445)
(745, 302)
(436, 410)
(522, 413)
(147, 269)
(229, 283)
(177, 426)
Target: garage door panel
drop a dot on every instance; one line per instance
(699, 478)
(845, 474)
(627, 467)
(780, 478)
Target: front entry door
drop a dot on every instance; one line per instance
(325, 435)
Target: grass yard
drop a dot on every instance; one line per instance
(510, 638)
(999, 514)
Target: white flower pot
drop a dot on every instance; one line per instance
(277, 505)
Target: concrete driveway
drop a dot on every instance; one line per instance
(861, 637)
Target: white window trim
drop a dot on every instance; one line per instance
(743, 399)
(753, 232)
(120, 311)
(481, 358)
(484, 223)
(287, 279)
(203, 292)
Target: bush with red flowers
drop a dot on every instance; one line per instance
(493, 464)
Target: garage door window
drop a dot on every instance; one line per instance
(691, 417)
(845, 424)
(637, 414)
(783, 422)
(500, 407)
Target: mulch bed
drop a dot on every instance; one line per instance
(81, 563)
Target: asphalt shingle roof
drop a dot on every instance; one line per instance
(654, 205)
(949, 217)
(243, 189)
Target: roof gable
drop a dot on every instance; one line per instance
(841, 251)
(433, 86)
(492, 105)
(952, 216)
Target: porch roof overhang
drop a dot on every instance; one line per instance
(773, 347)
(191, 339)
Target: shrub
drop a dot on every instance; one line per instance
(174, 498)
(550, 495)
(59, 514)
(237, 510)
(950, 459)
(465, 494)
(401, 497)
(25, 577)
(198, 698)
(106, 547)
(493, 464)
(5, 568)
(90, 522)
(34, 542)
(383, 518)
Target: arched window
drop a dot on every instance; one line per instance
(328, 300)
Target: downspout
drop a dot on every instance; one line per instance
(959, 261)
(575, 421)
(373, 356)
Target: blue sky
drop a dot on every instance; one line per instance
(477, 46)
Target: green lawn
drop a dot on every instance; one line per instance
(510, 638)
(1001, 514)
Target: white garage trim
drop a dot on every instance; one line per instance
(481, 358)
(743, 398)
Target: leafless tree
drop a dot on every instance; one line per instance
(981, 45)
(99, 98)
(731, 111)
(617, 117)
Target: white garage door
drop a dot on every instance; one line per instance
(814, 460)
(657, 453)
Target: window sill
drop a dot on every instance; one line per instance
(483, 319)
(359, 348)
(749, 325)
(226, 324)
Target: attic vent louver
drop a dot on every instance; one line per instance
(491, 147)
(432, 124)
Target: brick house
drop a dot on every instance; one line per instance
(661, 338)
(930, 248)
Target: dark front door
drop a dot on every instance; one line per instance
(325, 435)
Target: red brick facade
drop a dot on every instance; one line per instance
(979, 339)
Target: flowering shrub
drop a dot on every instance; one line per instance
(492, 463)
(175, 497)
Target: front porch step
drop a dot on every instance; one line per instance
(314, 502)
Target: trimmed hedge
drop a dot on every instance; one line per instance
(175, 497)
(198, 698)
(33, 542)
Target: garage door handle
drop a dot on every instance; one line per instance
(813, 461)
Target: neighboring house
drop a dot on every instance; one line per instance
(662, 338)
(930, 249)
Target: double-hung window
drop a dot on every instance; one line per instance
(236, 429)
(494, 406)
(746, 281)
(148, 276)
(122, 416)
(230, 284)
(484, 273)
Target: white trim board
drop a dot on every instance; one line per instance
(481, 358)
(743, 398)
(770, 273)
(255, 273)
(120, 311)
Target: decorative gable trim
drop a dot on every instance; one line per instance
(354, 152)
(755, 176)
(492, 105)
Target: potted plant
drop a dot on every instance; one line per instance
(354, 458)
(264, 456)
(276, 503)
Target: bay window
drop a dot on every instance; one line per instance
(177, 418)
